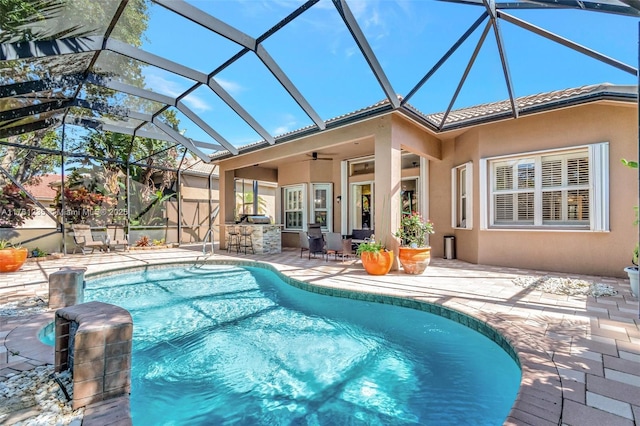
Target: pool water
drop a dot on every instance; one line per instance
(226, 345)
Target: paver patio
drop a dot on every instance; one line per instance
(580, 355)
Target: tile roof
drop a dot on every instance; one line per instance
(467, 116)
(524, 104)
(43, 190)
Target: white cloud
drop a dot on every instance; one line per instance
(230, 86)
(171, 88)
(289, 123)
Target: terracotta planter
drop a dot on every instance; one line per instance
(377, 263)
(12, 259)
(414, 260)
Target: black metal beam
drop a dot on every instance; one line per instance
(27, 87)
(367, 52)
(445, 57)
(491, 10)
(466, 73)
(6, 132)
(112, 84)
(32, 110)
(180, 139)
(568, 43)
(42, 49)
(633, 8)
(238, 109)
(208, 129)
(288, 85)
(207, 21)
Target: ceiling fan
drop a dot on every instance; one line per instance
(314, 157)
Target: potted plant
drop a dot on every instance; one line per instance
(11, 257)
(375, 259)
(414, 252)
(632, 272)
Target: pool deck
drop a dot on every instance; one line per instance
(580, 355)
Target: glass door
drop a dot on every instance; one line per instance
(361, 206)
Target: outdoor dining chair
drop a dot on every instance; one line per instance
(116, 237)
(84, 239)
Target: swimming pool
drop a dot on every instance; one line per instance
(236, 345)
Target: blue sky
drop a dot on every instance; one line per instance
(320, 57)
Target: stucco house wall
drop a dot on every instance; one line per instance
(599, 253)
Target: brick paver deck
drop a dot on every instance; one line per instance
(580, 355)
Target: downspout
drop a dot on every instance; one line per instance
(255, 197)
(62, 203)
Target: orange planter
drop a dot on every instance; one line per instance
(377, 263)
(12, 259)
(414, 260)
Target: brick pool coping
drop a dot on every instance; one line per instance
(544, 395)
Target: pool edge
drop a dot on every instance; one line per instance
(540, 388)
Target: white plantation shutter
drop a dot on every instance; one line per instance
(504, 177)
(526, 208)
(504, 207)
(550, 189)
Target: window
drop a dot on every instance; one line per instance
(294, 207)
(322, 203)
(461, 196)
(556, 189)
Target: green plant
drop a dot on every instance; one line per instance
(158, 242)
(143, 241)
(5, 244)
(413, 230)
(371, 246)
(15, 206)
(37, 252)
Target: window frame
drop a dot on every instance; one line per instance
(457, 197)
(301, 188)
(598, 157)
(328, 186)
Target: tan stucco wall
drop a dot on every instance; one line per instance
(570, 251)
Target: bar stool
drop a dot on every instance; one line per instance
(246, 242)
(233, 239)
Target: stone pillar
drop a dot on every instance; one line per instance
(94, 340)
(66, 287)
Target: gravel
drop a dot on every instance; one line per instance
(36, 392)
(28, 306)
(568, 286)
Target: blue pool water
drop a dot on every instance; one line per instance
(220, 345)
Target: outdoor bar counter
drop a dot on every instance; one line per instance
(265, 238)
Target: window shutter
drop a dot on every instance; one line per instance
(599, 204)
(504, 178)
(551, 173)
(504, 207)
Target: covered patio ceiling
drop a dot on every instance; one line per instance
(65, 62)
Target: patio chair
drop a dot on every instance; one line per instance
(360, 236)
(316, 240)
(84, 239)
(336, 245)
(116, 237)
(304, 242)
